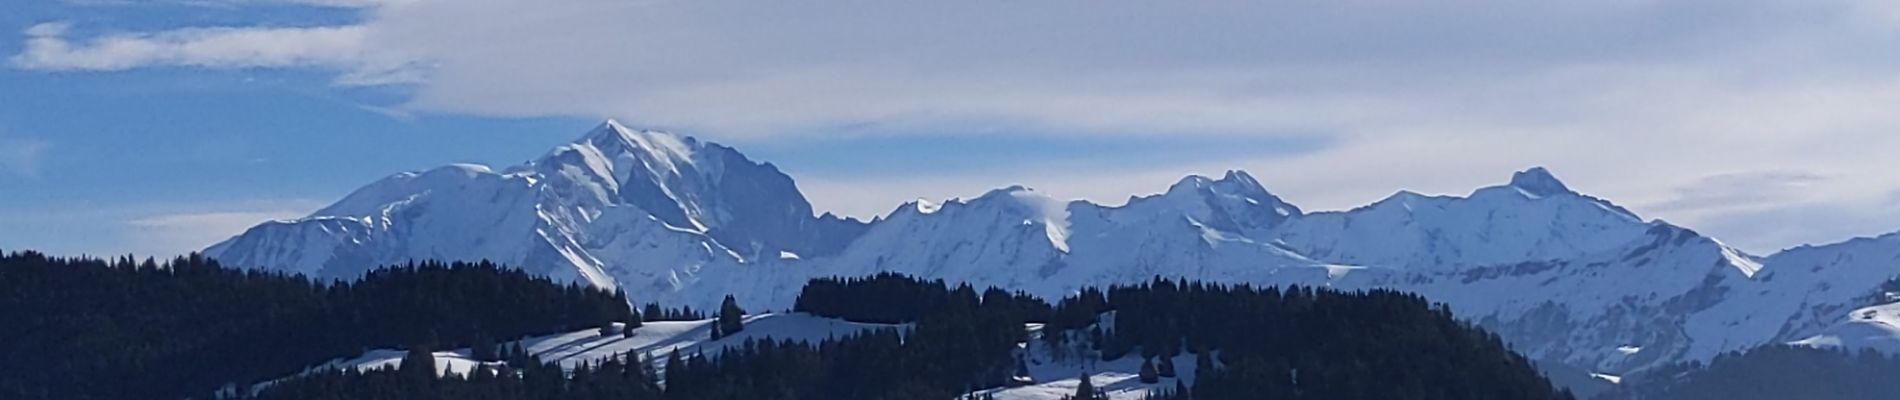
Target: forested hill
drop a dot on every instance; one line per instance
(1772, 373)
(963, 342)
(120, 329)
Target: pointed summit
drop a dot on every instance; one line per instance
(1234, 183)
(1538, 181)
(608, 129)
(612, 138)
(1241, 178)
(1239, 183)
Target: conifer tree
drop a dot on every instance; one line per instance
(1086, 390)
(483, 348)
(1148, 374)
(675, 373)
(731, 317)
(652, 312)
(418, 363)
(1166, 367)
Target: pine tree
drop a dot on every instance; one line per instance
(484, 348)
(1086, 390)
(675, 373)
(731, 317)
(1148, 374)
(649, 375)
(1166, 368)
(418, 363)
(652, 312)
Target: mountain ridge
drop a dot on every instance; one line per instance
(1562, 275)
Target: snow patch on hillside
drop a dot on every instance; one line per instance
(1054, 375)
(655, 340)
(659, 338)
(1873, 328)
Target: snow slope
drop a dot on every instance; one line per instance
(660, 338)
(446, 362)
(1874, 328)
(1565, 277)
(1056, 376)
(584, 212)
(654, 339)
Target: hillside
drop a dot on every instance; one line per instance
(95, 329)
(1772, 373)
(958, 342)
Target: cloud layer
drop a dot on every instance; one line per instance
(172, 234)
(1721, 114)
(339, 48)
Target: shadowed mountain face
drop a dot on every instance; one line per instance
(1565, 277)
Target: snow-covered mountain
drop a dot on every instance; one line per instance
(607, 209)
(1565, 277)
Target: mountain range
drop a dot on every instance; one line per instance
(1564, 277)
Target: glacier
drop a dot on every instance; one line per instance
(1563, 276)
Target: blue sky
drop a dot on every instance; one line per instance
(158, 126)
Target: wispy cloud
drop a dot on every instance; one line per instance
(21, 157)
(146, 229)
(234, 3)
(172, 234)
(342, 48)
(1639, 101)
(1741, 190)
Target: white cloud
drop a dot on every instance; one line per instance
(173, 234)
(334, 47)
(146, 229)
(1640, 101)
(234, 3)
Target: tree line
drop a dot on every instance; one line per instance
(1771, 372)
(93, 329)
(81, 328)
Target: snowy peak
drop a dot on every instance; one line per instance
(656, 146)
(1534, 218)
(681, 220)
(1539, 181)
(1010, 192)
(1235, 184)
(1237, 181)
(699, 186)
(1234, 203)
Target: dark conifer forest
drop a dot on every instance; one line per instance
(120, 330)
(1773, 372)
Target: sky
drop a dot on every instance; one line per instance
(162, 126)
